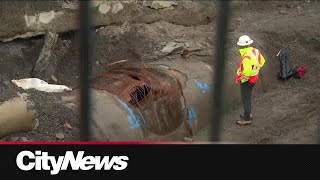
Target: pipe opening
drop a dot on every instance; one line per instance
(139, 94)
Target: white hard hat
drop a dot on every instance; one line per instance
(244, 40)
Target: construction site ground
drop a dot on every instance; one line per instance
(288, 112)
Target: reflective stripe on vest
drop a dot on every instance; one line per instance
(252, 55)
(239, 72)
(256, 57)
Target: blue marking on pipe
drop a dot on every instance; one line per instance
(192, 115)
(133, 119)
(202, 86)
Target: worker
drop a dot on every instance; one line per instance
(247, 75)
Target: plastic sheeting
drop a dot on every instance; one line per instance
(40, 85)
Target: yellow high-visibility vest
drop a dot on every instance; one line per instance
(250, 63)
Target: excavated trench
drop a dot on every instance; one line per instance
(286, 112)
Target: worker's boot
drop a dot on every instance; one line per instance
(251, 117)
(243, 122)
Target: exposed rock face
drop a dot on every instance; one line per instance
(32, 18)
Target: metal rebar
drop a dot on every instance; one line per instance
(218, 96)
(85, 57)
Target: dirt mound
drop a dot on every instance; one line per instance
(287, 113)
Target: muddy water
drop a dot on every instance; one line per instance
(16, 116)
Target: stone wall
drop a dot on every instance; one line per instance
(31, 18)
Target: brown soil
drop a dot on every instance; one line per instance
(289, 111)
(286, 113)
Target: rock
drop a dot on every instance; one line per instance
(186, 139)
(238, 19)
(17, 115)
(44, 59)
(299, 8)
(117, 7)
(54, 78)
(207, 44)
(36, 125)
(209, 67)
(70, 5)
(104, 8)
(172, 47)
(169, 50)
(14, 139)
(279, 134)
(171, 44)
(59, 16)
(24, 139)
(69, 99)
(170, 8)
(162, 43)
(59, 135)
(194, 49)
(180, 44)
(179, 40)
(194, 46)
(283, 12)
(160, 4)
(67, 126)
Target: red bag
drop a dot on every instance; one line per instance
(300, 71)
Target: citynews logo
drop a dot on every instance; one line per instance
(42, 161)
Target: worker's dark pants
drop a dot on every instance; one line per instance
(246, 89)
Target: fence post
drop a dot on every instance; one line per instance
(86, 48)
(218, 93)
